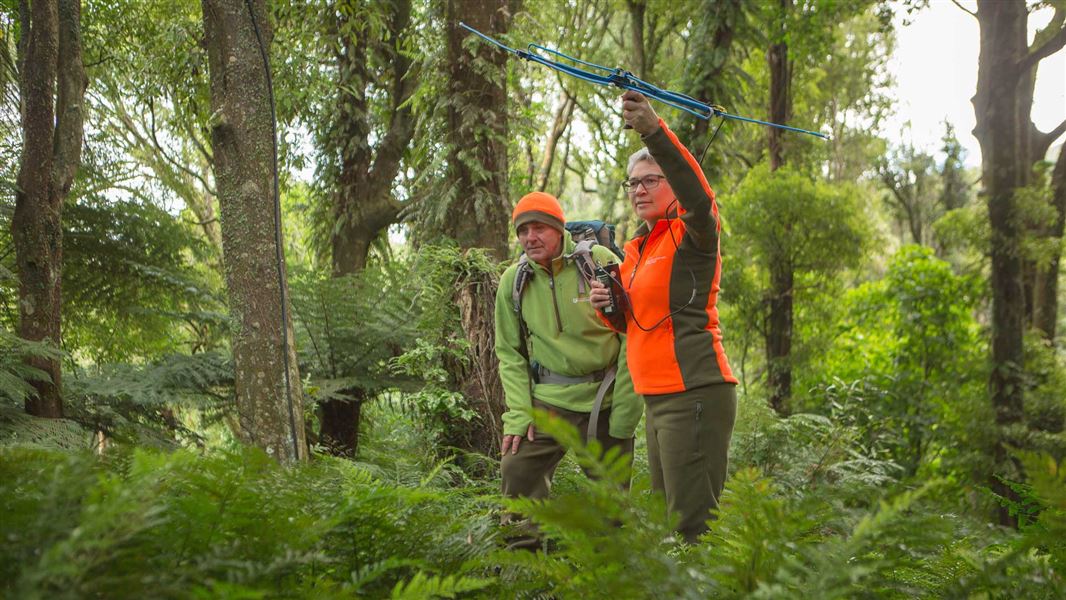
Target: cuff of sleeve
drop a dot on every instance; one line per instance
(516, 423)
(660, 131)
(616, 324)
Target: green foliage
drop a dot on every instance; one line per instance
(142, 404)
(770, 544)
(907, 365)
(16, 376)
(20, 429)
(349, 328)
(874, 489)
(436, 400)
(422, 586)
(810, 226)
(130, 275)
(1045, 405)
(808, 453)
(442, 358)
(785, 222)
(236, 524)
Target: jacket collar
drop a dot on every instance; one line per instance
(643, 229)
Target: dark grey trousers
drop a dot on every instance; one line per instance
(688, 450)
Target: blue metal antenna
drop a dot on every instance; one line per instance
(624, 79)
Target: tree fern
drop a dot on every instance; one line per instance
(16, 377)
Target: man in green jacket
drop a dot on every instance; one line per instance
(567, 354)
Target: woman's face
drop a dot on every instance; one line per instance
(650, 205)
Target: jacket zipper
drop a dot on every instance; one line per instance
(555, 302)
(640, 257)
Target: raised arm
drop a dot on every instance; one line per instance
(690, 186)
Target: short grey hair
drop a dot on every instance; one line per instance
(638, 156)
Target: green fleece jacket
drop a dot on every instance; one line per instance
(565, 337)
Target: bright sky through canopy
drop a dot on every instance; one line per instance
(935, 66)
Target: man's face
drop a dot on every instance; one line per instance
(541, 242)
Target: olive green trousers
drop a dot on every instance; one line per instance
(688, 451)
(529, 472)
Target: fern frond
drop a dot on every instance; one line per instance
(426, 587)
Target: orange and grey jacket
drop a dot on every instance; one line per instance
(674, 269)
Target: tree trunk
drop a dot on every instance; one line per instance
(779, 338)
(340, 424)
(364, 206)
(478, 378)
(779, 328)
(52, 88)
(780, 90)
(479, 210)
(637, 9)
(267, 380)
(1006, 166)
(1046, 288)
(710, 57)
(478, 214)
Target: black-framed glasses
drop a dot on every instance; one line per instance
(650, 182)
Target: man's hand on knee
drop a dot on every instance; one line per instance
(511, 442)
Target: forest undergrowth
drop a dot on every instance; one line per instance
(803, 515)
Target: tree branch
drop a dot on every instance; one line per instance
(559, 126)
(163, 153)
(1046, 139)
(402, 120)
(964, 9)
(70, 101)
(1051, 46)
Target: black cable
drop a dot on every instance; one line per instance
(703, 154)
(632, 276)
(280, 254)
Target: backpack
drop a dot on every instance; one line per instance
(597, 232)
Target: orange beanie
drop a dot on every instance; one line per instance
(540, 207)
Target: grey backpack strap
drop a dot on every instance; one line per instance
(594, 416)
(586, 266)
(521, 278)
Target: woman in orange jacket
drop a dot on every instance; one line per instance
(671, 277)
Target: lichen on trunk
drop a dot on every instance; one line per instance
(267, 381)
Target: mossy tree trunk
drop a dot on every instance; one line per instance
(478, 377)
(1010, 144)
(479, 211)
(711, 56)
(267, 380)
(364, 205)
(479, 206)
(52, 89)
